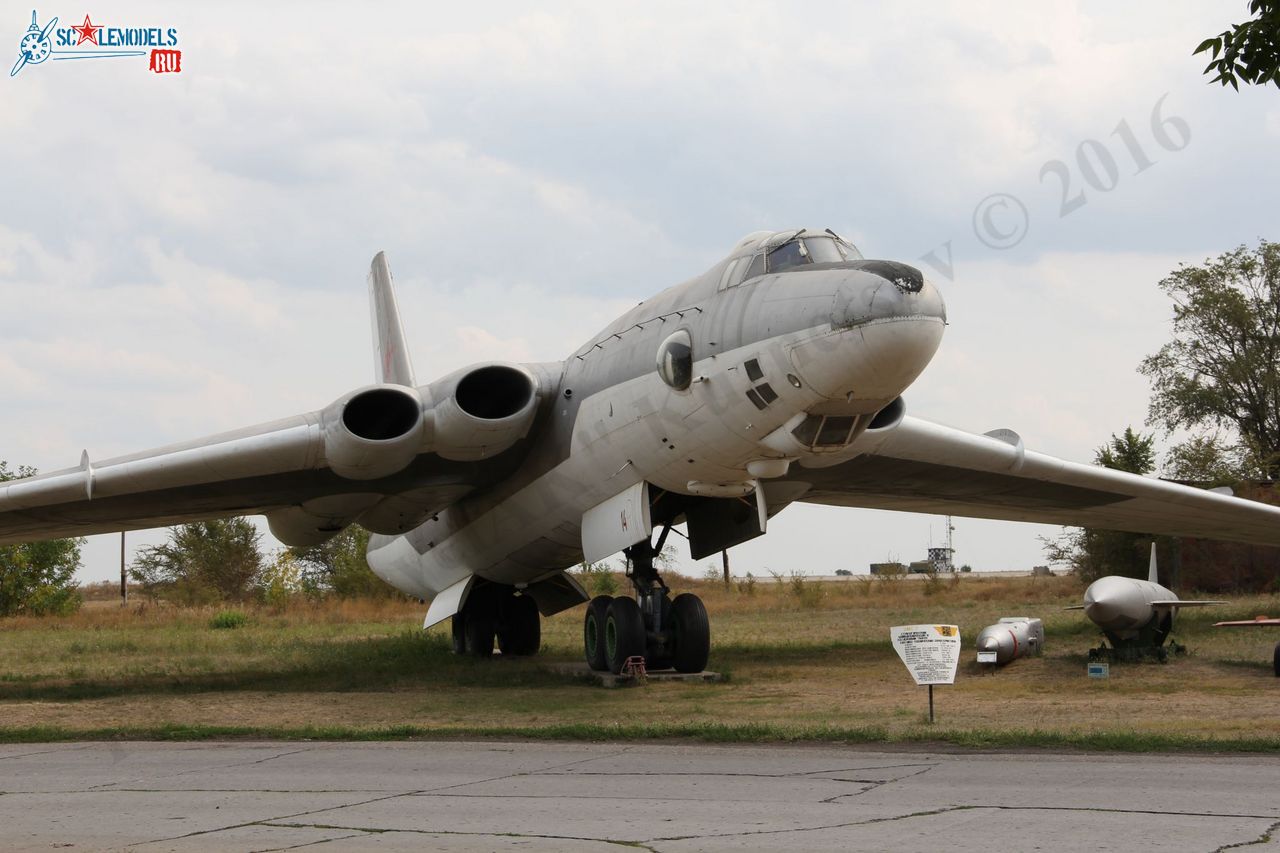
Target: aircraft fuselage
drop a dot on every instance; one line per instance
(772, 356)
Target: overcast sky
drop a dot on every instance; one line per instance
(185, 253)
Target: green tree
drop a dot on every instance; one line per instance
(1248, 52)
(203, 562)
(1206, 458)
(38, 578)
(1093, 553)
(1128, 452)
(340, 566)
(1222, 369)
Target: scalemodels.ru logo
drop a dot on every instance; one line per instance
(96, 41)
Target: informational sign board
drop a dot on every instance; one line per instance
(1099, 670)
(986, 657)
(931, 652)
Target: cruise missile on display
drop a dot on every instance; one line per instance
(1136, 616)
(1257, 622)
(1009, 639)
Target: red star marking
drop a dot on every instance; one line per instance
(87, 31)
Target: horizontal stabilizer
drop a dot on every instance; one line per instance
(1176, 602)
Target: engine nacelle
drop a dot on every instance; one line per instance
(317, 521)
(373, 432)
(488, 408)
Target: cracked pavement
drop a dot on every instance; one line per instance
(581, 797)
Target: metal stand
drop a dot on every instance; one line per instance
(931, 703)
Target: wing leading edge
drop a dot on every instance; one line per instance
(373, 455)
(925, 467)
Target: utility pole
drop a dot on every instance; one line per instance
(124, 586)
(951, 560)
(724, 556)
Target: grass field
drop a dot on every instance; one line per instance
(804, 661)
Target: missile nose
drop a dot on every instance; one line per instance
(1112, 603)
(988, 644)
(1101, 612)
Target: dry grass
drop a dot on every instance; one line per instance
(802, 657)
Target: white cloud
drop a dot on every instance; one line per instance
(182, 254)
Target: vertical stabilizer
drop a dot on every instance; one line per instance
(392, 363)
(1151, 572)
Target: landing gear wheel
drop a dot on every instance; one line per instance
(593, 632)
(1275, 661)
(623, 633)
(457, 627)
(692, 633)
(478, 631)
(519, 628)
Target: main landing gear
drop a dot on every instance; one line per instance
(494, 611)
(667, 633)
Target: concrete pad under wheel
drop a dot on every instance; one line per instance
(608, 679)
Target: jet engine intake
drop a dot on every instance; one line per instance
(373, 432)
(490, 408)
(888, 417)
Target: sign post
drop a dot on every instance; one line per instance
(930, 652)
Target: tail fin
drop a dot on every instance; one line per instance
(392, 364)
(1151, 572)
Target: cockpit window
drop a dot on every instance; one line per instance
(822, 250)
(788, 255)
(811, 250)
(849, 251)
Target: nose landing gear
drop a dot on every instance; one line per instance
(667, 633)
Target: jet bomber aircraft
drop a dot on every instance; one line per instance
(776, 376)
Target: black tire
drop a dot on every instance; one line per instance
(593, 632)
(458, 633)
(519, 626)
(623, 632)
(692, 633)
(478, 631)
(1275, 661)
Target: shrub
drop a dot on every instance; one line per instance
(228, 619)
(598, 578)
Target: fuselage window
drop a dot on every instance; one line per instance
(675, 360)
(835, 432)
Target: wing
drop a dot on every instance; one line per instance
(292, 471)
(920, 466)
(1260, 622)
(1178, 602)
(388, 455)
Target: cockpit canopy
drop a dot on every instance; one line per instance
(802, 248)
(775, 252)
